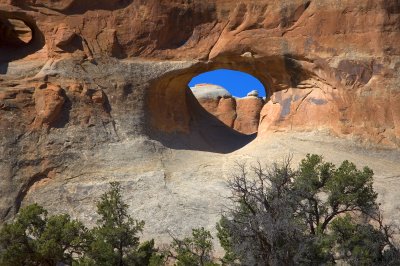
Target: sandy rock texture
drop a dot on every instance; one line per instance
(95, 91)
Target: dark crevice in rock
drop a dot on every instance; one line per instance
(76, 7)
(391, 6)
(17, 45)
(178, 27)
(294, 70)
(72, 45)
(14, 32)
(64, 115)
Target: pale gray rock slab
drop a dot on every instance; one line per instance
(253, 93)
(174, 191)
(210, 91)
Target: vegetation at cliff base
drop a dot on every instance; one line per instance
(194, 250)
(36, 239)
(115, 241)
(317, 214)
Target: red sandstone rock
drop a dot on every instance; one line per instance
(63, 36)
(98, 97)
(210, 104)
(226, 111)
(248, 114)
(241, 114)
(48, 104)
(75, 88)
(282, 43)
(21, 30)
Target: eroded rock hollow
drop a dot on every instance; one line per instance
(94, 91)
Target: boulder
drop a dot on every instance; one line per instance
(226, 111)
(63, 36)
(48, 104)
(210, 91)
(248, 114)
(253, 93)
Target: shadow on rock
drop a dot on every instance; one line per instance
(207, 133)
(12, 37)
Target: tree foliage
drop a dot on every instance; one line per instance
(326, 191)
(36, 239)
(363, 244)
(281, 216)
(115, 238)
(194, 250)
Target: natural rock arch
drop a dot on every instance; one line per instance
(235, 98)
(174, 111)
(19, 36)
(14, 32)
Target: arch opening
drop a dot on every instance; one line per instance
(233, 97)
(237, 82)
(177, 119)
(14, 32)
(19, 37)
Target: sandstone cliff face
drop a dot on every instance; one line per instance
(346, 53)
(79, 78)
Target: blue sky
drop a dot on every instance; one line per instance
(236, 82)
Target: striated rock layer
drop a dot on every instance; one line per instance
(93, 91)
